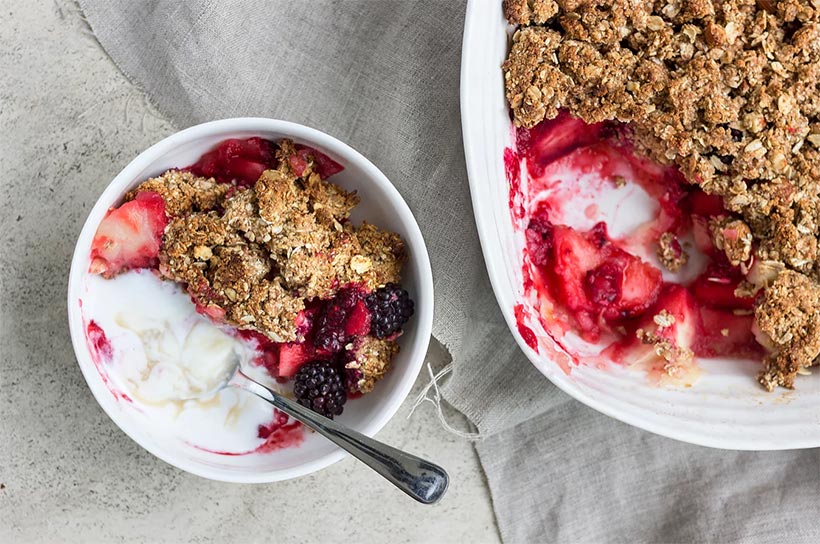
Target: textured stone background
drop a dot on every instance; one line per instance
(69, 121)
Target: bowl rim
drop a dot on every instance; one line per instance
(324, 142)
(476, 13)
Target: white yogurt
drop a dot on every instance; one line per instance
(165, 354)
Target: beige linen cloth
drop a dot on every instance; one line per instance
(383, 76)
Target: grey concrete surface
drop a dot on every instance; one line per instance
(69, 121)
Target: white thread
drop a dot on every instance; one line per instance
(436, 401)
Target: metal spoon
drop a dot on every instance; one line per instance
(424, 481)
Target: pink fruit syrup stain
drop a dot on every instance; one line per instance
(102, 353)
(525, 332)
(280, 433)
(591, 213)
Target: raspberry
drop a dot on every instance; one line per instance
(331, 335)
(390, 308)
(539, 239)
(603, 284)
(320, 387)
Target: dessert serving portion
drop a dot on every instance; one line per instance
(247, 255)
(707, 113)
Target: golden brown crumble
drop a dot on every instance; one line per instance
(670, 253)
(372, 358)
(270, 309)
(329, 200)
(241, 214)
(275, 245)
(183, 192)
(280, 198)
(525, 12)
(726, 90)
(733, 237)
(788, 316)
(311, 271)
(383, 256)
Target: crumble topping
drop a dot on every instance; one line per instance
(733, 237)
(276, 244)
(725, 90)
(270, 309)
(184, 192)
(372, 359)
(525, 12)
(279, 199)
(670, 253)
(382, 256)
(789, 318)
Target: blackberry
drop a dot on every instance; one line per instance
(320, 386)
(390, 308)
(330, 330)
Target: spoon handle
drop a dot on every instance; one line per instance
(422, 480)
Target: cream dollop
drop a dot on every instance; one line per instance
(178, 366)
(166, 350)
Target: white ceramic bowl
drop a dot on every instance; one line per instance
(381, 204)
(726, 408)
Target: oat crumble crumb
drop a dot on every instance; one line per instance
(733, 237)
(372, 358)
(524, 12)
(788, 317)
(183, 192)
(664, 319)
(670, 253)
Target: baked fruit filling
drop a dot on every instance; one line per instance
(264, 245)
(727, 93)
(604, 288)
